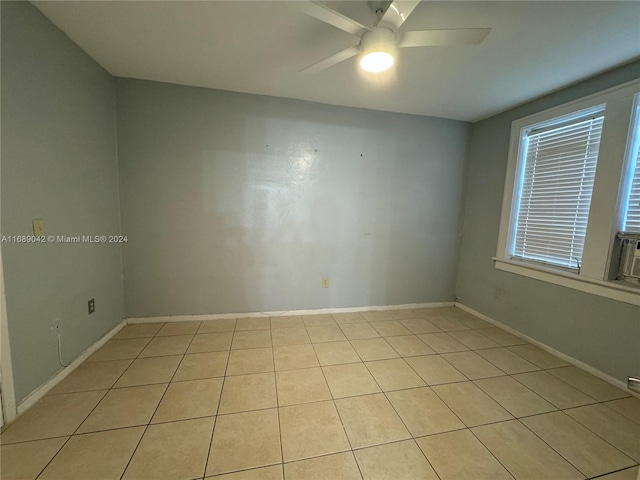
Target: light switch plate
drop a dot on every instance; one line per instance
(38, 227)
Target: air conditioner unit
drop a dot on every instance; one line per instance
(630, 258)
(634, 271)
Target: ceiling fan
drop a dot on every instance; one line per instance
(378, 44)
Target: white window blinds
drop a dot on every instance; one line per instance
(555, 191)
(632, 208)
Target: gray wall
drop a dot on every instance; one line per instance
(59, 164)
(600, 332)
(242, 203)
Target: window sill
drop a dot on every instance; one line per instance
(614, 290)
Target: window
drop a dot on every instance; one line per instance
(558, 166)
(573, 182)
(631, 207)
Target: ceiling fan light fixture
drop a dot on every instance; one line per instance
(378, 50)
(376, 62)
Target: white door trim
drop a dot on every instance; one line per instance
(6, 370)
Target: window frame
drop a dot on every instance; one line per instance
(524, 141)
(608, 195)
(632, 162)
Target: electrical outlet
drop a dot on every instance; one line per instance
(325, 283)
(91, 304)
(55, 327)
(497, 293)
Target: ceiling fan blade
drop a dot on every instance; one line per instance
(397, 13)
(438, 38)
(327, 15)
(332, 60)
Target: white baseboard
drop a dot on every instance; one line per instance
(43, 389)
(593, 371)
(220, 316)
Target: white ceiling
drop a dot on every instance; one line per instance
(258, 47)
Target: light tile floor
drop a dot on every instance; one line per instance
(407, 394)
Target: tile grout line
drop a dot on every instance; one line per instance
(555, 409)
(412, 438)
(546, 399)
(475, 436)
(548, 370)
(275, 381)
(146, 427)
(492, 364)
(376, 380)
(242, 470)
(335, 406)
(112, 388)
(54, 456)
(615, 471)
(509, 347)
(577, 421)
(526, 416)
(553, 449)
(263, 409)
(489, 450)
(215, 421)
(596, 433)
(95, 406)
(138, 425)
(536, 435)
(388, 401)
(604, 402)
(448, 363)
(354, 450)
(136, 357)
(334, 400)
(470, 428)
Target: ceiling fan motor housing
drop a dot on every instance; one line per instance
(380, 39)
